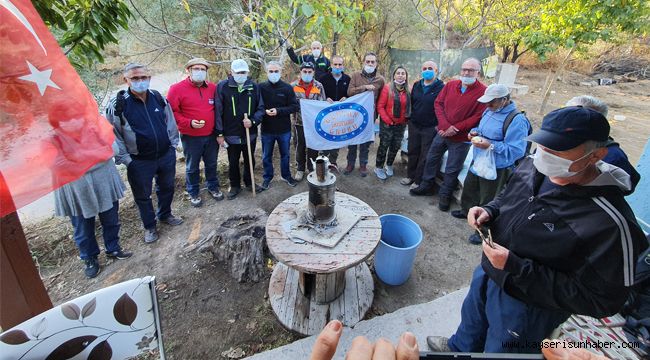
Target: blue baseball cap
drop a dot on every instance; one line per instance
(566, 128)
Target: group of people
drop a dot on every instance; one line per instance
(561, 238)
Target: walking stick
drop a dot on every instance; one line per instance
(250, 154)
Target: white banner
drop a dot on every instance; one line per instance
(333, 126)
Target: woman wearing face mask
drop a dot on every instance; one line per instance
(508, 147)
(394, 107)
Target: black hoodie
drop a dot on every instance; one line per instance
(423, 114)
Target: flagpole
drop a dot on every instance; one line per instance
(22, 293)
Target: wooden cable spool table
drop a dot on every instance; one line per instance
(313, 284)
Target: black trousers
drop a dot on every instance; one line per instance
(419, 141)
(235, 151)
(478, 191)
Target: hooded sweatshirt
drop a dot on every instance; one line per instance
(572, 248)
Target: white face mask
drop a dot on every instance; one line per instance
(274, 77)
(369, 69)
(198, 75)
(553, 165)
(467, 80)
(240, 78)
(316, 53)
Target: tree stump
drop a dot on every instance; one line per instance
(240, 243)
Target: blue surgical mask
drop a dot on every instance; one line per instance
(467, 80)
(307, 77)
(240, 78)
(337, 71)
(428, 74)
(274, 77)
(140, 86)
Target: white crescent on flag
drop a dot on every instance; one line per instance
(23, 20)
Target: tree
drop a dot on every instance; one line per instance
(84, 27)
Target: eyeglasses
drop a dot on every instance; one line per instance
(427, 68)
(139, 78)
(469, 70)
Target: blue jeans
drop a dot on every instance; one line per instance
(141, 173)
(195, 148)
(364, 149)
(84, 232)
(494, 322)
(456, 154)
(268, 143)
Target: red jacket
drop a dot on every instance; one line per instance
(190, 102)
(385, 106)
(463, 111)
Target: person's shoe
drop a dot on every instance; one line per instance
(459, 214)
(299, 175)
(363, 170)
(172, 220)
(290, 181)
(413, 186)
(438, 343)
(233, 192)
(196, 201)
(348, 169)
(444, 203)
(406, 181)
(119, 254)
(150, 235)
(92, 267)
(334, 168)
(266, 184)
(475, 239)
(381, 174)
(216, 194)
(389, 171)
(258, 189)
(422, 190)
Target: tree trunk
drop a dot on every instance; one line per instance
(550, 81)
(335, 41)
(506, 53)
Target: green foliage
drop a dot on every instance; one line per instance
(84, 27)
(576, 23)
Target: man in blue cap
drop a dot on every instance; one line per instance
(564, 241)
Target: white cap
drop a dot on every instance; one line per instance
(494, 91)
(238, 65)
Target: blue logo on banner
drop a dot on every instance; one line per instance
(337, 107)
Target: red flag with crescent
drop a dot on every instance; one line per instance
(51, 131)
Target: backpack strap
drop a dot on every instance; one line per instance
(508, 120)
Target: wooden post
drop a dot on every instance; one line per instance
(22, 293)
(250, 155)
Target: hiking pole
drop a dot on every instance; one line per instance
(250, 154)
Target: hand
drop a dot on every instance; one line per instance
(327, 341)
(557, 350)
(370, 87)
(343, 98)
(477, 216)
(442, 133)
(272, 112)
(329, 100)
(221, 140)
(451, 131)
(481, 142)
(247, 123)
(471, 135)
(197, 124)
(497, 256)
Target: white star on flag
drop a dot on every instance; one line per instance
(40, 78)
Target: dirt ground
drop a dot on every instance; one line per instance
(207, 314)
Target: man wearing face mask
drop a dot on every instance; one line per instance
(305, 88)
(507, 142)
(365, 80)
(280, 102)
(236, 96)
(316, 57)
(192, 101)
(458, 111)
(422, 122)
(147, 136)
(336, 85)
(565, 241)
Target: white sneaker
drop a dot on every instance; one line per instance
(414, 185)
(389, 171)
(380, 173)
(299, 175)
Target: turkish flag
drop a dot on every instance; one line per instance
(51, 131)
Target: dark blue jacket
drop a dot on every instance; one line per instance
(322, 63)
(230, 106)
(144, 130)
(423, 114)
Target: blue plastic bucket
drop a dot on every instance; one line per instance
(400, 239)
